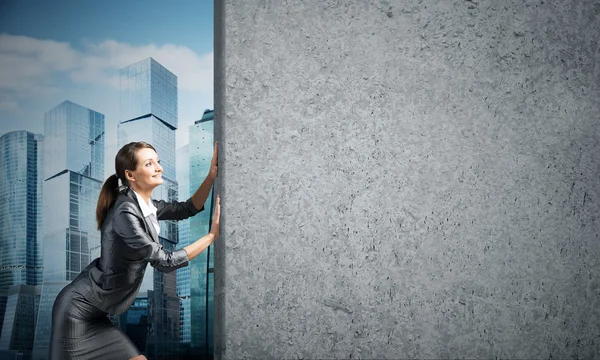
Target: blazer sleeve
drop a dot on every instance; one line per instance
(127, 226)
(176, 210)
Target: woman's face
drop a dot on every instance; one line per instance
(148, 173)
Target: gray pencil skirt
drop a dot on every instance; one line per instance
(82, 331)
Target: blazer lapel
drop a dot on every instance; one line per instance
(149, 226)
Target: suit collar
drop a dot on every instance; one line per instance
(147, 209)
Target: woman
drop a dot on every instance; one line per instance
(128, 222)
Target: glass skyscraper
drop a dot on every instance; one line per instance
(21, 155)
(20, 318)
(149, 113)
(73, 176)
(134, 322)
(183, 274)
(201, 148)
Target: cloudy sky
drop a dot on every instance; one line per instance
(73, 50)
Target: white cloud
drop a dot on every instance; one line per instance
(48, 53)
(194, 72)
(29, 66)
(36, 75)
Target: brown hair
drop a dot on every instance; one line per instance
(126, 159)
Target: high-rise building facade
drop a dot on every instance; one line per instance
(201, 146)
(183, 274)
(149, 113)
(21, 159)
(134, 322)
(73, 176)
(20, 318)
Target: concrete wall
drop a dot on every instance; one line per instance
(408, 179)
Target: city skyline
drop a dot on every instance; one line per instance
(62, 56)
(75, 135)
(66, 52)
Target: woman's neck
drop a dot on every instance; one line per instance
(145, 194)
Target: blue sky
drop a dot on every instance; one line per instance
(51, 51)
(185, 22)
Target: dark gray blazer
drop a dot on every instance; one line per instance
(128, 243)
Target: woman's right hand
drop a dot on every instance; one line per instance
(204, 242)
(215, 229)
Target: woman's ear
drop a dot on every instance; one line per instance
(129, 176)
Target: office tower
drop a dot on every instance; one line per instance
(20, 318)
(201, 148)
(21, 158)
(73, 177)
(134, 322)
(149, 113)
(183, 274)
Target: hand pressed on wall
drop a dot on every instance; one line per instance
(215, 229)
(214, 167)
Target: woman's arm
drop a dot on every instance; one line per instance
(175, 210)
(195, 248)
(201, 244)
(181, 210)
(200, 196)
(128, 226)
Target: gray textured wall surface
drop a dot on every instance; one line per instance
(408, 179)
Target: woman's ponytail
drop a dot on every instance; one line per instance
(108, 195)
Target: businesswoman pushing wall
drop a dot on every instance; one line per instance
(128, 222)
